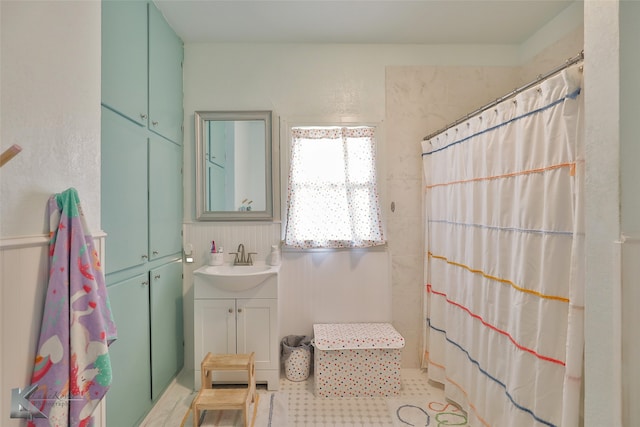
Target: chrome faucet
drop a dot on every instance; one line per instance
(241, 258)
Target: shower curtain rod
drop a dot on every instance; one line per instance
(569, 62)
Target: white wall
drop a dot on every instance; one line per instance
(50, 106)
(613, 213)
(602, 206)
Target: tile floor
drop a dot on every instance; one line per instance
(419, 403)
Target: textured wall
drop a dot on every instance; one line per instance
(50, 80)
(421, 100)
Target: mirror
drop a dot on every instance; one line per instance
(233, 165)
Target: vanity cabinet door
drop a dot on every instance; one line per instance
(167, 341)
(124, 192)
(238, 326)
(124, 58)
(165, 197)
(214, 327)
(129, 397)
(257, 331)
(165, 78)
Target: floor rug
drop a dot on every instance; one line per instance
(269, 410)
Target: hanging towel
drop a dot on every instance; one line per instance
(72, 369)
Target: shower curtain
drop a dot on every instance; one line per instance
(504, 258)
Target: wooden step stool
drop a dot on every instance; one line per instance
(210, 398)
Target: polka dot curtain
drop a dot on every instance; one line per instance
(332, 197)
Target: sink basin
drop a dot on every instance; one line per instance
(236, 277)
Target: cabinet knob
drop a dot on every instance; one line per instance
(145, 283)
(143, 116)
(157, 276)
(231, 310)
(154, 123)
(144, 256)
(239, 310)
(156, 252)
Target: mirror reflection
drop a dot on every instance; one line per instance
(233, 165)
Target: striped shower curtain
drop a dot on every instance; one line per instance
(504, 258)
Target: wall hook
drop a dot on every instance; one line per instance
(9, 154)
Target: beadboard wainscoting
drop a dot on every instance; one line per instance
(24, 265)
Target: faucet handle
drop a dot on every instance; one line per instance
(249, 260)
(235, 259)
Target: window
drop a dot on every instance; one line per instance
(332, 196)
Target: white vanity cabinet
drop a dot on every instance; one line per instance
(238, 322)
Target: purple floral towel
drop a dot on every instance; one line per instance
(72, 368)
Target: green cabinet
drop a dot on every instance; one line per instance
(165, 197)
(165, 65)
(167, 346)
(124, 58)
(141, 194)
(141, 135)
(220, 179)
(220, 134)
(216, 179)
(142, 67)
(124, 192)
(142, 203)
(149, 351)
(129, 398)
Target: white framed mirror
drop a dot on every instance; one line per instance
(233, 166)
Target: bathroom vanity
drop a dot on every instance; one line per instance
(236, 311)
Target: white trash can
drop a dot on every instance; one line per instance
(296, 354)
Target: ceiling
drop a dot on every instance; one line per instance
(359, 21)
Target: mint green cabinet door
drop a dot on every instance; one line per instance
(219, 136)
(124, 58)
(165, 197)
(165, 78)
(124, 192)
(216, 186)
(129, 397)
(167, 336)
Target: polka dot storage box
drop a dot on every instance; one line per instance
(356, 359)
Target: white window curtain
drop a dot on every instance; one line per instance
(332, 198)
